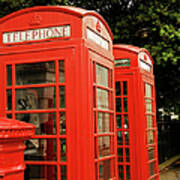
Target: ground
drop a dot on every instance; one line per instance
(171, 173)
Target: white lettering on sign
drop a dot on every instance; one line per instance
(36, 34)
(97, 39)
(144, 61)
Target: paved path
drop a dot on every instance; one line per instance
(171, 173)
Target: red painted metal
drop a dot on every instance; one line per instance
(57, 72)
(135, 114)
(13, 133)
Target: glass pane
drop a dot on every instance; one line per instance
(40, 172)
(63, 172)
(9, 115)
(111, 105)
(128, 177)
(120, 154)
(126, 122)
(118, 89)
(9, 75)
(94, 73)
(96, 171)
(148, 105)
(119, 121)
(149, 121)
(124, 88)
(127, 154)
(125, 103)
(101, 75)
(148, 91)
(103, 122)
(95, 148)
(104, 146)
(150, 137)
(111, 82)
(152, 169)
(95, 123)
(102, 99)
(62, 97)
(62, 123)
(126, 137)
(151, 153)
(119, 138)
(35, 73)
(61, 72)
(121, 172)
(35, 98)
(9, 99)
(105, 170)
(118, 105)
(63, 149)
(45, 122)
(94, 97)
(40, 150)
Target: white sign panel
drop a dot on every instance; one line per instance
(36, 34)
(144, 61)
(97, 39)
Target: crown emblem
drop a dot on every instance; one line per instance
(98, 26)
(145, 57)
(35, 20)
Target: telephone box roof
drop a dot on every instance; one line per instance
(79, 12)
(131, 48)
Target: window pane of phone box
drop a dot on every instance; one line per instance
(40, 172)
(102, 99)
(101, 75)
(45, 122)
(105, 170)
(40, 150)
(104, 146)
(35, 73)
(35, 98)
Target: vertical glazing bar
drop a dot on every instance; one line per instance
(13, 91)
(121, 95)
(96, 139)
(57, 120)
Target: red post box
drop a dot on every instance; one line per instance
(13, 133)
(57, 72)
(135, 114)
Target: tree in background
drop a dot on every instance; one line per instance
(151, 24)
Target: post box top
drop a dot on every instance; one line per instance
(10, 128)
(127, 56)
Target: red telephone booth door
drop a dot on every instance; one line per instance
(37, 91)
(57, 72)
(135, 114)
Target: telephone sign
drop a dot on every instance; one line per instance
(36, 34)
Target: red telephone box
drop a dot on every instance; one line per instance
(135, 114)
(56, 68)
